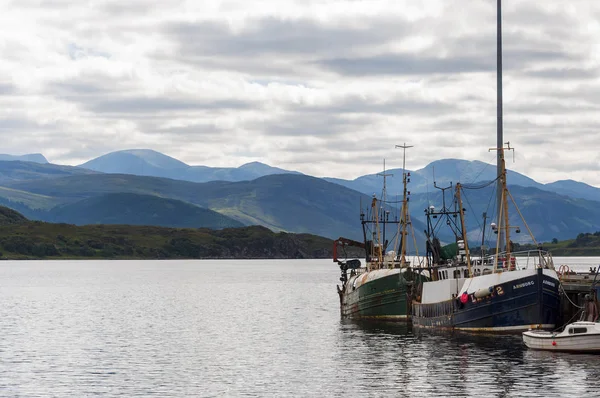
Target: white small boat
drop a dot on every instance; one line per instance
(579, 336)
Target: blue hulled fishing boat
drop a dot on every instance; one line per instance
(503, 292)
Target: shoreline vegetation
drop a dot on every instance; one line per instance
(21, 238)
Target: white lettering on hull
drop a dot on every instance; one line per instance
(524, 284)
(546, 282)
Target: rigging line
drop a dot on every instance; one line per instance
(483, 185)
(492, 197)
(500, 213)
(569, 321)
(388, 202)
(397, 237)
(483, 169)
(471, 207)
(412, 230)
(522, 218)
(427, 187)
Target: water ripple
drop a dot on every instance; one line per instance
(241, 328)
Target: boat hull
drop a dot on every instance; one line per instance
(529, 302)
(586, 343)
(379, 294)
(587, 340)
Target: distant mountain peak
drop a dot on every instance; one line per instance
(32, 157)
(252, 164)
(135, 161)
(260, 169)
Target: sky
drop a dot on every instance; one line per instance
(327, 88)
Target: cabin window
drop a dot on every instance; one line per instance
(466, 273)
(577, 330)
(456, 273)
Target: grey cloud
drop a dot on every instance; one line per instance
(7, 89)
(396, 106)
(551, 108)
(278, 36)
(190, 130)
(286, 47)
(465, 124)
(295, 124)
(106, 98)
(407, 64)
(131, 8)
(72, 90)
(530, 14)
(16, 124)
(563, 73)
(206, 133)
(53, 4)
(589, 91)
(151, 105)
(415, 64)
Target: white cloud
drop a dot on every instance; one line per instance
(323, 87)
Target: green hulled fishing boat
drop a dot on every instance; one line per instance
(382, 287)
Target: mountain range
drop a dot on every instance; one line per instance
(145, 187)
(145, 162)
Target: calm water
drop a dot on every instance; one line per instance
(242, 328)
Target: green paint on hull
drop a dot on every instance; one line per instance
(384, 298)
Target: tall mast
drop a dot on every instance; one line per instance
(499, 122)
(463, 228)
(383, 216)
(506, 226)
(404, 216)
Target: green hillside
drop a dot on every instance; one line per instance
(23, 239)
(11, 170)
(134, 209)
(11, 217)
(303, 204)
(586, 244)
(69, 189)
(286, 202)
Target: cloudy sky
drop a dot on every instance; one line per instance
(323, 87)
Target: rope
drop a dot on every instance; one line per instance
(567, 296)
(487, 184)
(473, 211)
(522, 218)
(569, 321)
(412, 230)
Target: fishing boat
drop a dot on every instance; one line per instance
(380, 289)
(503, 292)
(581, 336)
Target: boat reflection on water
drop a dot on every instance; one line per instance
(379, 328)
(506, 345)
(380, 356)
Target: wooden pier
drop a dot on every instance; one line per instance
(578, 289)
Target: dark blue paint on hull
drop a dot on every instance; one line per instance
(524, 303)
